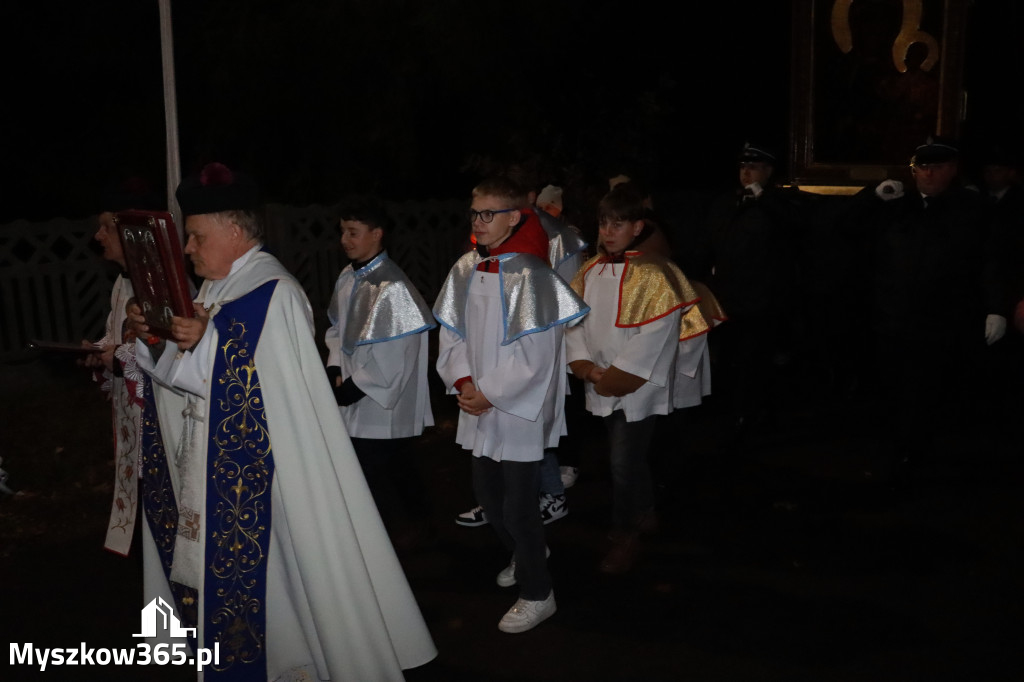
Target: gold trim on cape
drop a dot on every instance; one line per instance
(651, 288)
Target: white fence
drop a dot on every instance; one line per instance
(55, 286)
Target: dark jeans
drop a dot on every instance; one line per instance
(629, 445)
(393, 477)
(577, 421)
(508, 493)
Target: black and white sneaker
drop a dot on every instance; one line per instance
(552, 508)
(472, 518)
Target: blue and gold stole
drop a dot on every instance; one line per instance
(240, 471)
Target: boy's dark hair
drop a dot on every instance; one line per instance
(368, 211)
(624, 202)
(503, 188)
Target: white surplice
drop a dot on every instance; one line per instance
(648, 351)
(693, 372)
(392, 373)
(524, 380)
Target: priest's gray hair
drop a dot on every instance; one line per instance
(249, 221)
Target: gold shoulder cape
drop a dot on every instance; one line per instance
(651, 288)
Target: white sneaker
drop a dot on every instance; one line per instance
(526, 615)
(552, 508)
(569, 475)
(507, 576)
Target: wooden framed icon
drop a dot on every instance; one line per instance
(156, 267)
(872, 79)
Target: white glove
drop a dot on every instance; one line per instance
(755, 189)
(889, 189)
(995, 327)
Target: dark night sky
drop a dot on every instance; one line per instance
(320, 99)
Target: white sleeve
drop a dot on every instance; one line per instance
(161, 369)
(192, 369)
(333, 336)
(109, 337)
(178, 371)
(576, 344)
(452, 361)
(690, 355)
(333, 340)
(648, 354)
(382, 370)
(144, 358)
(518, 383)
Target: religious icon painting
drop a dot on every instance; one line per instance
(156, 266)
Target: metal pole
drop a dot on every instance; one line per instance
(170, 113)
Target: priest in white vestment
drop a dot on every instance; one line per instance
(260, 527)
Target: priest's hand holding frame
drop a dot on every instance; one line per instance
(188, 331)
(135, 321)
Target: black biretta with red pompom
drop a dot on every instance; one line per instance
(217, 188)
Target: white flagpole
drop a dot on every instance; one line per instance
(170, 113)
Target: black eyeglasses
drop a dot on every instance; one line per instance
(487, 215)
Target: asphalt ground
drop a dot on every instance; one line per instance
(790, 556)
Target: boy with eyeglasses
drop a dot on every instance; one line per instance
(503, 311)
(566, 249)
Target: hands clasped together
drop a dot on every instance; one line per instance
(472, 401)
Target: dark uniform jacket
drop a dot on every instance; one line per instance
(753, 250)
(934, 275)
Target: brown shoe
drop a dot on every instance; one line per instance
(620, 559)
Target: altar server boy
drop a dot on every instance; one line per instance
(503, 311)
